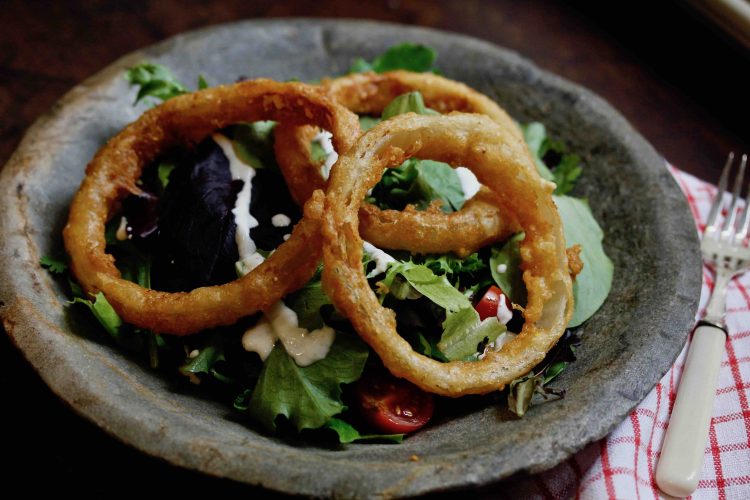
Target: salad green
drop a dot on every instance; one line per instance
(433, 295)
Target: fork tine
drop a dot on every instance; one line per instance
(744, 221)
(713, 214)
(729, 229)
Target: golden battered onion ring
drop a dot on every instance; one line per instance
(370, 93)
(499, 162)
(477, 224)
(185, 120)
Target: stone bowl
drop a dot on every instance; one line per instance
(627, 346)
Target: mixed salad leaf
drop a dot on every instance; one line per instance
(156, 81)
(551, 159)
(307, 396)
(407, 56)
(181, 235)
(592, 286)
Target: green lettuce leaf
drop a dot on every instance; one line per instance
(367, 122)
(408, 56)
(411, 102)
(317, 153)
(566, 173)
(348, 434)
(520, 392)
(53, 265)
(419, 182)
(592, 286)
(202, 82)
(155, 81)
(523, 389)
(510, 281)
(104, 314)
(306, 302)
(535, 135)
(428, 347)
(434, 287)
(253, 143)
(307, 396)
(463, 331)
(566, 170)
(204, 361)
(449, 264)
(163, 171)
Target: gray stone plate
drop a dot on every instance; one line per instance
(627, 346)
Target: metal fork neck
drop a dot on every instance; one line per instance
(716, 310)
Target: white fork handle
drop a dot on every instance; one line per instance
(679, 467)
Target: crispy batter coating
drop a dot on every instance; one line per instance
(370, 93)
(501, 162)
(186, 120)
(575, 264)
(477, 224)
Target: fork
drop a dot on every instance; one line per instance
(723, 247)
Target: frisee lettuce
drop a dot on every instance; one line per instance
(565, 171)
(449, 264)
(53, 265)
(155, 81)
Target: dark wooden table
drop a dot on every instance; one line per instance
(680, 82)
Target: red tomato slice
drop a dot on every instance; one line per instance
(487, 305)
(393, 405)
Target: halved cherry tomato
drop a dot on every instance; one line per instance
(487, 305)
(393, 405)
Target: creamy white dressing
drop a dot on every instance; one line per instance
(280, 220)
(323, 138)
(504, 314)
(249, 263)
(501, 268)
(249, 256)
(260, 338)
(281, 323)
(504, 339)
(469, 182)
(382, 260)
(194, 354)
(122, 230)
(498, 343)
(287, 236)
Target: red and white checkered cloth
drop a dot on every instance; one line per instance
(623, 464)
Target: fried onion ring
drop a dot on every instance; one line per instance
(186, 120)
(500, 162)
(477, 224)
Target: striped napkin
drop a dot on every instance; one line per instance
(623, 464)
